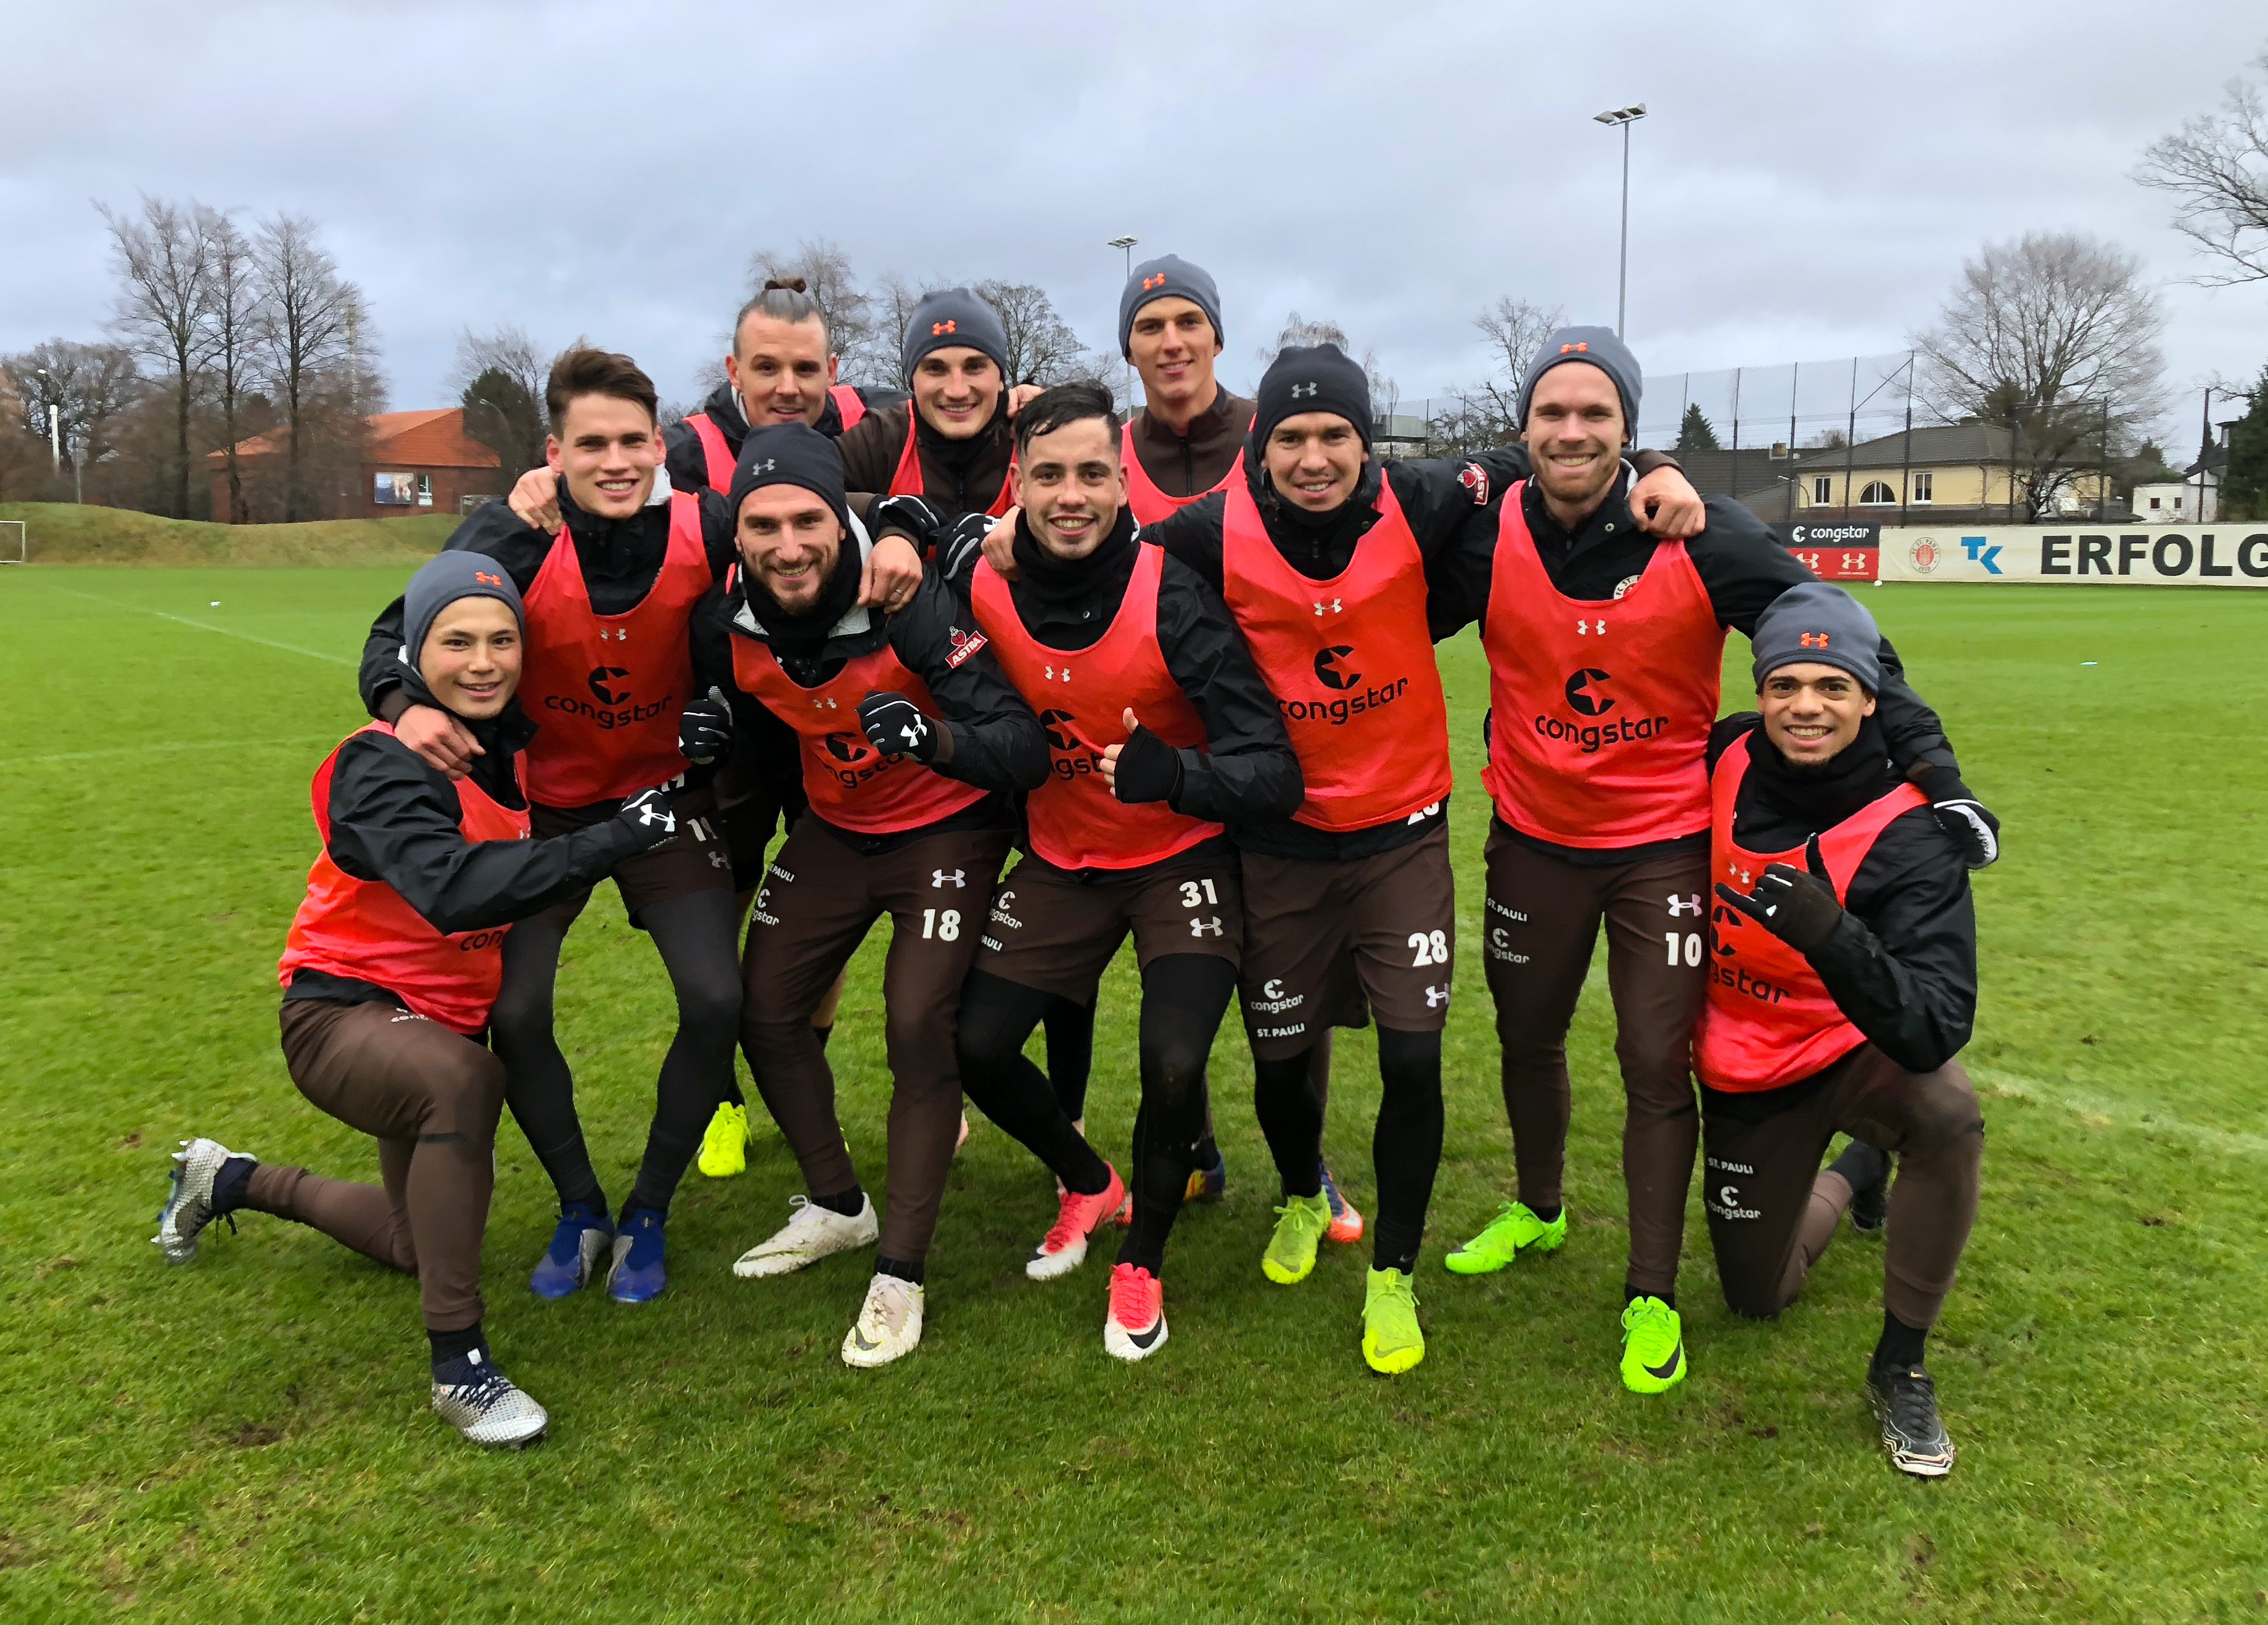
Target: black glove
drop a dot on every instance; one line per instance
(910, 516)
(1961, 815)
(647, 819)
(1798, 909)
(896, 726)
(962, 544)
(705, 731)
(1149, 770)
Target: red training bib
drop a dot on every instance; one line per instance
(716, 455)
(1148, 503)
(908, 480)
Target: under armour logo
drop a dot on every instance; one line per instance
(718, 860)
(1684, 904)
(1573, 349)
(1304, 391)
(939, 879)
(1435, 997)
(765, 466)
(653, 813)
(1198, 927)
(486, 580)
(911, 733)
(1584, 629)
(1813, 640)
(937, 327)
(1746, 879)
(620, 635)
(1334, 607)
(1053, 674)
(825, 705)
(1148, 282)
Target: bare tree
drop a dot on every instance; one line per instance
(1385, 394)
(827, 278)
(316, 330)
(501, 376)
(88, 385)
(1042, 347)
(2054, 339)
(2216, 168)
(235, 319)
(890, 314)
(1488, 411)
(164, 264)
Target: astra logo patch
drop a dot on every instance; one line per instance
(1051, 724)
(600, 676)
(1331, 670)
(1475, 479)
(846, 746)
(964, 644)
(1580, 697)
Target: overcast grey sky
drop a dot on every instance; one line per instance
(1807, 185)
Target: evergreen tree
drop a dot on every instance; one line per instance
(2244, 482)
(1695, 432)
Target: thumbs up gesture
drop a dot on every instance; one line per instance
(1144, 768)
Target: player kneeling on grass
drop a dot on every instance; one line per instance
(1842, 983)
(1159, 731)
(389, 974)
(912, 745)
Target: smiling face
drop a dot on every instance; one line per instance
(789, 540)
(1812, 712)
(956, 390)
(605, 452)
(1315, 459)
(1072, 486)
(781, 368)
(1575, 434)
(1172, 345)
(470, 659)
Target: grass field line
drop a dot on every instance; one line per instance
(141, 750)
(2100, 1110)
(265, 642)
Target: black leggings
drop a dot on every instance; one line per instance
(693, 935)
(997, 1016)
(1071, 1052)
(1405, 1149)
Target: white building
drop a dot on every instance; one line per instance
(2171, 504)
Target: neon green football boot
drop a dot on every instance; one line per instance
(1514, 1231)
(724, 1146)
(1391, 1340)
(1290, 1254)
(1653, 1346)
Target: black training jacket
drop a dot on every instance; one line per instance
(688, 463)
(1903, 963)
(1246, 770)
(1743, 567)
(394, 820)
(997, 742)
(958, 476)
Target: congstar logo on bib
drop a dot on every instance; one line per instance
(1338, 668)
(615, 708)
(1584, 693)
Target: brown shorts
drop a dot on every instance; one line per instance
(1321, 938)
(694, 860)
(1052, 932)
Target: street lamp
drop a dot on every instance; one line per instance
(55, 425)
(1626, 117)
(1126, 243)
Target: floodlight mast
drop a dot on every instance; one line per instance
(1126, 243)
(1626, 117)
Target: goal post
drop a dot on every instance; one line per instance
(11, 541)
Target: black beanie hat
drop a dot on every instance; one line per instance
(790, 454)
(1169, 276)
(442, 580)
(1602, 349)
(1312, 378)
(1815, 624)
(954, 316)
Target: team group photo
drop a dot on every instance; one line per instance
(1028, 941)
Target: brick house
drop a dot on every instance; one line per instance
(417, 462)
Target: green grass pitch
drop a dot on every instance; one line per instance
(248, 1438)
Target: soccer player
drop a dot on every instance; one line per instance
(608, 671)
(950, 444)
(1841, 984)
(1323, 555)
(913, 744)
(1604, 647)
(393, 962)
(1160, 730)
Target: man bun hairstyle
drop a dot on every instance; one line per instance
(783, 298)
(1061, 404)
(581, 370)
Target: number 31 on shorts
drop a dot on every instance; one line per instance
(1432, 948)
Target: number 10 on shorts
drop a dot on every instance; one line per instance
(1687, 943)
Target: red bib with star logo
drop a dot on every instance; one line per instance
(1600, 710)
(1351, 664)
(1074, 819)
(606, 691)
(1769, 1020)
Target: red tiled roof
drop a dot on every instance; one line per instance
(433, 439)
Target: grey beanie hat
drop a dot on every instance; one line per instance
(442, 580)
(1815, 624)
(954, 316)
(1169, 276)
(1602, 349)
